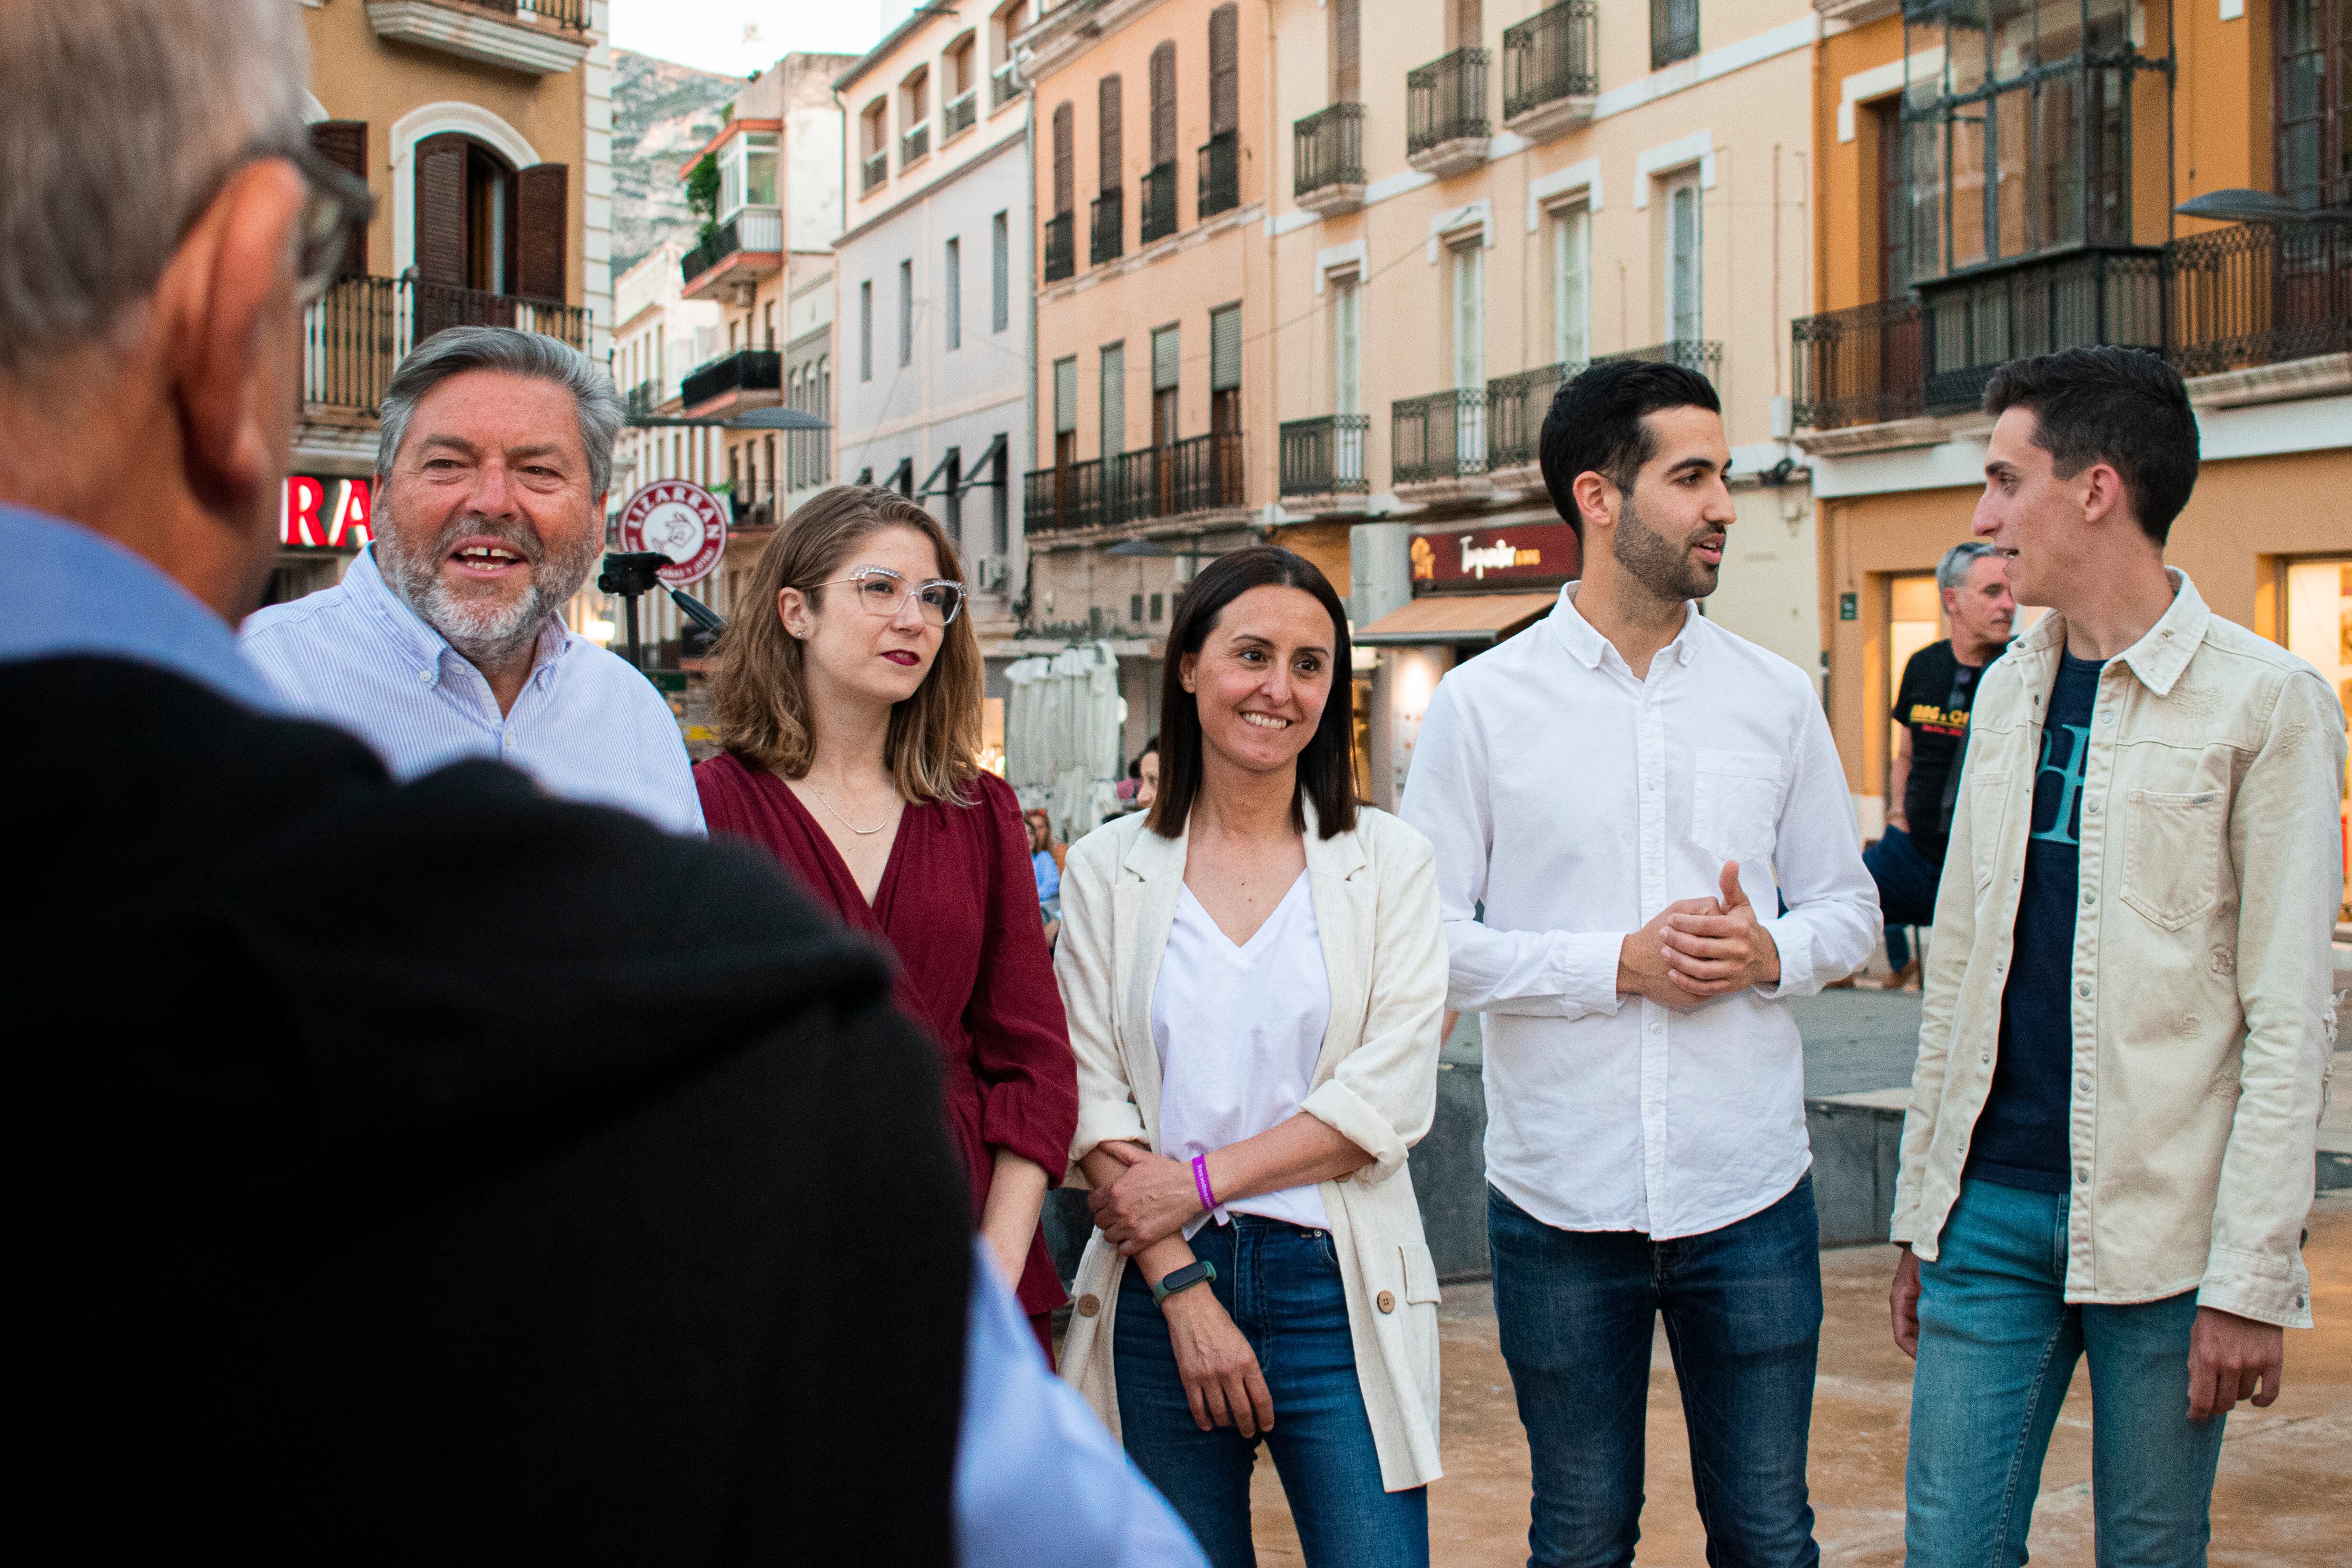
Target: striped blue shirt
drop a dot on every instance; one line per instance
(586, 727)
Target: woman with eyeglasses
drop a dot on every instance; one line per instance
(849, 701)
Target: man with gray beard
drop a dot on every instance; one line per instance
(445, 639)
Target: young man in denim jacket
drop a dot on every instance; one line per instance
(2109, 1147)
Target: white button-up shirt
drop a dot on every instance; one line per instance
(586, 727)
(1570, 802)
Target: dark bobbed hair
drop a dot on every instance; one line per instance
(1595, 424)
(2123, 407)
(1326, 773)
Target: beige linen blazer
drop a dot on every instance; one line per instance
(1375, 892)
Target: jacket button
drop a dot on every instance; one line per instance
(1089, 1306)
(1385, 1301)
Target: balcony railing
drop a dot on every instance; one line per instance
(1441, 437)
(1550, 55)
(915, 145)
(1221, 174)
(1328, 149)
(752, 229)
(1674, 32)
(2256, 294)
(1445, 100)
(873, 171)
(745, 370)
(354, 338)
(1194, 474)
(642, 400)
(1106, 228)
(1061, 248)
(1159, 203)
(1324, 456)
(1003, 86)
(958, 115)
(569, 15)
(1516, 406)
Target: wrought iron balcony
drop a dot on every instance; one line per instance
(1328, 159)
(1159, 213)
(356, 335)
(1674, 32)
(1107, 228)
(1446, 128)
(1438, 437)
(1548, 66)
(1003, 86)
(958, 115)
(2255, 294)
(1221, 174)
(1516, 406)
(1325, 457)
(745, 370)
(873, 171)
(1058, 500)
(915, 145)
(642, 400)
(1061, 247)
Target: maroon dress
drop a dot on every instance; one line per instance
(958, 905)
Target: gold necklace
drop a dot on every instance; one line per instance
(861, 832)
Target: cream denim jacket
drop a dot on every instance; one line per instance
(2203, 1016)
(1375, 892)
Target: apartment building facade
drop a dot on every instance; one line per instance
(931, 301)
(1471, 203)
(1999, 179)
(1153, 445)
(484, 131)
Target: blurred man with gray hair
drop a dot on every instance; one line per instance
(445, 639)
(1932, 706)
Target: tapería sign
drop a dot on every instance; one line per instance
(1546, 551)
(683, 521)
(325, 514)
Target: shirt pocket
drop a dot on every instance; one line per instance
(2172, 854)
(1988, 799)
(1736, 800)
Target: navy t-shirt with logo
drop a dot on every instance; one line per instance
(2020, 1137)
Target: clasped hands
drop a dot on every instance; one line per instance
(1696, 949)
(1151, 1199)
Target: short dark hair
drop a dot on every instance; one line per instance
(1327, 768)
(1595, 424)
(2123, 407)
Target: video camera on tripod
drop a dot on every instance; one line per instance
(631, 573)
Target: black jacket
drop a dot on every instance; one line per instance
(439, 1173)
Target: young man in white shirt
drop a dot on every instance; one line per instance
(1623, 799)
(2109, 1151)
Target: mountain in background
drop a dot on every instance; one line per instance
(661, 113)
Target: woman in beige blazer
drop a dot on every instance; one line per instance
(1255, 976)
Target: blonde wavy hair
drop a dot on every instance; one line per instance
(761, 692)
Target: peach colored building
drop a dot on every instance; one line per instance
(2159, 211)
(1467, 204)
(1154, 170)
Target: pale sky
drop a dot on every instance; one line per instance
(739, 37)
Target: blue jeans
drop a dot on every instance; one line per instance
(1998, 1344)
(1906, 889)
(1743, 1311)
(1281, 1284)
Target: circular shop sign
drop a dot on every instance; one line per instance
(681, 520)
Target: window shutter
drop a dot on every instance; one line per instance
(1224, 71)
(343, 143)
(1109, 155)
(1114, 400)
(542, 225)
(441, 211)
(1066, 183)
(1226, 349)
(1164, 105)
(1346, 50)
(1065, 395)
(1166, 357)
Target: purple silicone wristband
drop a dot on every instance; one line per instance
(1201, 1182)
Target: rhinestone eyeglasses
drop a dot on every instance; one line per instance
(883, 593)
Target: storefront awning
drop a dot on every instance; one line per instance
(1477, 618)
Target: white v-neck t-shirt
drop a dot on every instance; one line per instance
(1238, 1029)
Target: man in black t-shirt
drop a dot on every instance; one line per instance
(1932, 706)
